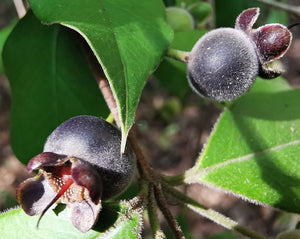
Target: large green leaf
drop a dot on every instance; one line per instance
(254, 149)
(127, 37)
(50, 81)
(113, 223)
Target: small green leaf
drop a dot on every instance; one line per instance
(254, 149)
(127, 37)
(15, 224)
(50, 81)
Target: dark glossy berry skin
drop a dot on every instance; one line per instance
(97, 142)
(223, 64)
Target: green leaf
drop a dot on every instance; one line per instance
(3, 36)
(172, 73)
(254, 149)
(50, 81)
(113, 223)
(127, 37)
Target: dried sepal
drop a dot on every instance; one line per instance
(246, 19)
(34, 194)
(64, 179)
(271, 41)
(84, 214)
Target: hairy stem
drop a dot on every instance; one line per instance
(162, 204)
(154, 180)
(282, 6)
(154, 223)
(178, 55)
(211, 214)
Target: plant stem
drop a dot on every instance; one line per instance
(211, 214)
(102, 82)
(161, 201)
(175, 180)
(150, 175)
(20, 8)
(283, 6)
(154, 223)
(154, 180)
(178, 55)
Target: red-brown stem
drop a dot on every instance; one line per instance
(162, 204)
(102, 82)
(108, 96)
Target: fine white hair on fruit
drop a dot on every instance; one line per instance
(223, 64)
(93, 140)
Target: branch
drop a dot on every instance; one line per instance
(178, 55)
(161, 201)
(20, 8)
(282, 6)
(154, 223)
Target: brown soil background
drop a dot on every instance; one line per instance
(170, 149)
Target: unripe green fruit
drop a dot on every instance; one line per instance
(179, 19)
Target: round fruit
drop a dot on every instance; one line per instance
(223, 64)
(81, 165)
(93, 140)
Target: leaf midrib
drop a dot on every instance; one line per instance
(203, 172)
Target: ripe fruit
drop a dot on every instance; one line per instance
(224, 63)
(81, 165)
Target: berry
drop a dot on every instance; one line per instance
(81, 165)
(224, 63)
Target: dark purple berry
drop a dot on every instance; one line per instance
(81, 165)
(224, 63)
